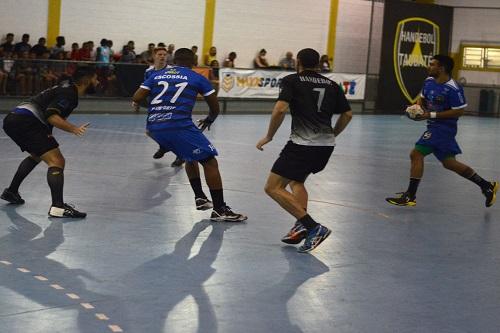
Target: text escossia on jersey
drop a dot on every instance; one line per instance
(170, 76)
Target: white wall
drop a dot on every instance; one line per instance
(174, 21)
(16, 18)
(277, 26)
(353, 27)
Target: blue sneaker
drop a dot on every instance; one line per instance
(314, 237)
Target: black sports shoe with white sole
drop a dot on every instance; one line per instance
(66, 211)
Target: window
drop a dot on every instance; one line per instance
(481, 57)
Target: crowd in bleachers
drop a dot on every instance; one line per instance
(26, 69)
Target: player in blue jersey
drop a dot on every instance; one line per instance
(172, 94)
(159, 62)
(443, 102)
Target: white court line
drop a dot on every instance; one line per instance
(41, 278)
(23, 270)
(73, 296)
(5, 262)
(87, 306)
(115, 328)
(56, 286)
(101, 316)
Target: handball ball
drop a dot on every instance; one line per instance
(414, 110)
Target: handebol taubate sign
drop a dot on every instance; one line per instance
(412, 34)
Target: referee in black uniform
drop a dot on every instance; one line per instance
(313, 99)
(30, 126)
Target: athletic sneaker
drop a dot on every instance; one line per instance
(225, 214)
(314, 237)
(159, 153)
(491, 194)
(12, 197)
(296, 234)
(203, 204)
(177, 163)
(404, 199)
(67, 211)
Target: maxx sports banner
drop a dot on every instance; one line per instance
(412, 34)
(249, 83)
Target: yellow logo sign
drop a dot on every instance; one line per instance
(228, 82)
(415, 43)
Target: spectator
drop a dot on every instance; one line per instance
(24, 74)
(59, 67)
(147, 56)
(194, 48)
(103, 53)
(47, 76)
(324, 63)
(211, 56)
(7, 46)
(214, 73)
(127, 55)
(39, 48)
(131, 47)
(112, 55)
(229, 61)
(85, 52)
(75, 52)
(60, 42)
(288, 62)
(4, 76)
(23, 46)
(92, 51)
(170, 54)
(260, 60)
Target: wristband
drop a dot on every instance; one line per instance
(433, 114)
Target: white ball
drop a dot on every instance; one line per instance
(413, 110)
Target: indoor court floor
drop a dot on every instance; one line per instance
(145, 260)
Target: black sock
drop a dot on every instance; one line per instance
(55, 178)
(413, 186)
(217, 198)
(476, 179)
(24, 169)
(308, 222)
(196, 186)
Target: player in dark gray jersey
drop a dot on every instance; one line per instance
(30, 126)
(312, 99)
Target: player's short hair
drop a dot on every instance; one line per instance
(157, 49)
(309, 58)
(83, 72)
(445, 61)
(184, 55)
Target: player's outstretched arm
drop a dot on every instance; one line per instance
(342, 122)
(214, 110)
(59, 122)
(279, 112)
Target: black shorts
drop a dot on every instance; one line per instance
(296, 162)
(29, 134)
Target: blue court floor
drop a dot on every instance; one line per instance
(145, 260)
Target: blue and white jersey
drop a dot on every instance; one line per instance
(439, 97)
(172, 96)
(150, 70)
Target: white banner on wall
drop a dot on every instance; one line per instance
(250, 83)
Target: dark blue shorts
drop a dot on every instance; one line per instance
(188, 143)
(442, 144)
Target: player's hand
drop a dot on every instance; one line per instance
(265, 140)
(80, 131)
(136, 107)
(205, 123)
(420, 117)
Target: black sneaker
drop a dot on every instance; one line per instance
(12, 197)
(490, 194)
(177, 163)
(225, 214)
(404, 199)
(67, 211)
(314, 237)
(203, 204)
(159, 153)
